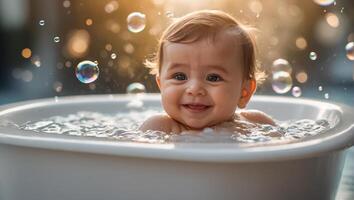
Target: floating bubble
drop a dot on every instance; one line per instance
(281, 82)
(113, 56)
(136, 22)
(136, 88)
(320, 88)
(324, 2)
(111, 6)
(56, 39)
(41, 22)
(296, 91)
(89, 22)
(281, 65)
(350, 50)
(58, 86)
(87, 71)
(313, 55)
(326, 96)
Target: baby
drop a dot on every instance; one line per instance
(205, 68)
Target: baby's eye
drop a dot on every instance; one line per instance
(180, 76)
(214, 78)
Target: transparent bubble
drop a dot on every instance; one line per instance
(136, 22)
(281, 82)
(320, 88)
(281, 65)
(87, 71)
(324, 2)
(326, 96)
(41, 22)
(296, 91)
(350, 50)
(56, 39)
(313, 55)
(113, 56)
(136, 88)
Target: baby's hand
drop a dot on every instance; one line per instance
(257, 117)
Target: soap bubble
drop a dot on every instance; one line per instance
(136, 22)
(41, 22)
(56, 39)
(326, 96)
(281, 65)
(113, 56)
(281, 82)
(296, 91)
(350, 50)
(324, 2)
(87, 71)
(320, 88)
(313, 55)
(136, 88)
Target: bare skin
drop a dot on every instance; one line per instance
(202, 84)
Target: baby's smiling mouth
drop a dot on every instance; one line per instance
(196, 107)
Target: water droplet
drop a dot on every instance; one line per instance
(87, 71)
(281, 82)
(169, 14)
(41, 22)
(136, 88)
(136, 22)
(281, 65)
(326, 96)
(56, 39)
(58, 86)
(341, 10)
(313, 55)
(296, 91)
(113, 56)
(324, 2)
(56, 99)
(320, 88)
(350, 50)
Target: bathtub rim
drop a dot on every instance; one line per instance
(339, 138)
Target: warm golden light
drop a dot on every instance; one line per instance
(26, 53)
(78, 43)
(89, 22)
(332, 20)
(301, 43)
(301, 77)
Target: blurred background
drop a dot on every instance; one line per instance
(306, 47)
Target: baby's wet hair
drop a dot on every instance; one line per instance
(206, 24)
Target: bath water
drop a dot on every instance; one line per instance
(123, 127)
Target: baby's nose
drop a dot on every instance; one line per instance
(196, 88)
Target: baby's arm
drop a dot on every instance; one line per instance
(257, 117)
(160, 123)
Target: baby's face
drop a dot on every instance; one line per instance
(201, 82)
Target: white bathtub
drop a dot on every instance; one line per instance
(37, 166)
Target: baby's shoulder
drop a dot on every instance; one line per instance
(257, 116)
(159, 122)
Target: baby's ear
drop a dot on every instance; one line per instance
(157, 78)
(247, 90)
